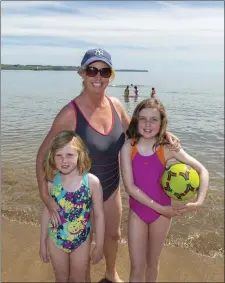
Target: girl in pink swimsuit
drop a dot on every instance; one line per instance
(143, 161)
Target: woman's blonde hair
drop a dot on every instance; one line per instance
(59, 141)
(132, 131)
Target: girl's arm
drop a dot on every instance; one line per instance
(183, 157)
(98, 209)
(133, 190)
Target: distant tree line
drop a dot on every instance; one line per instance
(53, 68)
(38, 67)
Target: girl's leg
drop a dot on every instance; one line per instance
(79, 260)
(88, 272)
(60, 262)
(113, 214)
(157, 234)
(137, 243)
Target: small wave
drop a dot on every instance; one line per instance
(201, 243)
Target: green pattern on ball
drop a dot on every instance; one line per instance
(180, 181)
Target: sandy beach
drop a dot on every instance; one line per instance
(21, 263)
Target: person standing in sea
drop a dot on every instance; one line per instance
(104, 137)
(127, 91)
(135, 90)
(153, 93)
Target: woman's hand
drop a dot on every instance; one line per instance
(44, 255)
(96, 254)
(53, 210)
(174, 142)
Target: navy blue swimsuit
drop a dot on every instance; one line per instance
(103, 149)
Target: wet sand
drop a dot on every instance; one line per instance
(21, 263)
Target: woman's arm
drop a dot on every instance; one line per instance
(183, 157)
(132, 189)
(45, 217)
(174, 142)
(44, 236)
(97, 200)
(65, 120)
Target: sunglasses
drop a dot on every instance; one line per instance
(93, 71)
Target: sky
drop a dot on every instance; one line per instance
(172, 35)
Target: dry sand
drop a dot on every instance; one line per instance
(21, 263)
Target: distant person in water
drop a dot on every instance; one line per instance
(153, 93)
(135, 90)
(127, 91)
(131, 88)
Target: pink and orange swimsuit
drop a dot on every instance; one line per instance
(147, 173)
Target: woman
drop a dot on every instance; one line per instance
(104, 136)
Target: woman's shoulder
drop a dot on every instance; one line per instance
(115, 101)
(69, 107)
(66, 110)
(66, 117)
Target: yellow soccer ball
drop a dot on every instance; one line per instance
(180, 181)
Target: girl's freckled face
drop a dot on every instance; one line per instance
(66, 159)
(149, 122)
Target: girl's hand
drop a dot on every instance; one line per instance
(174, 142)
(188, 207)
(53, 209)
(171, 211)
(44, 255)
(96, 254)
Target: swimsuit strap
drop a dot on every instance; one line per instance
(85, 179)
(159, 152)
(161, 155)
(57, 180)
(133, 149)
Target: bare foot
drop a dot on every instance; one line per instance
(113, 277)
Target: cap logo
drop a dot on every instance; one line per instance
(99, 52)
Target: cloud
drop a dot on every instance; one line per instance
(137, 34)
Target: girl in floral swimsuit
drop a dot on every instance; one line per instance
(76, 192)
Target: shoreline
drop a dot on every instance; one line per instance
(19, 67)
(21, 263)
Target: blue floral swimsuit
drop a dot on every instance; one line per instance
(75, 209)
